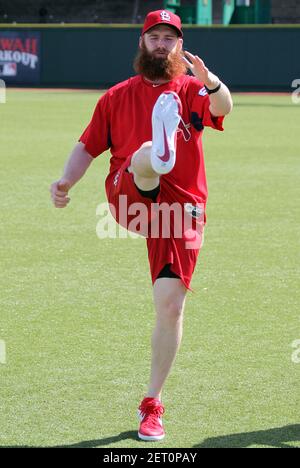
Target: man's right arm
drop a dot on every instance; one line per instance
(75, 168)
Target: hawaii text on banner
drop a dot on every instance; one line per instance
(20, 57)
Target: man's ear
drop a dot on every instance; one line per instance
(180, 43)
(140, 42)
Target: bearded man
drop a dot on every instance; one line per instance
(153, 124)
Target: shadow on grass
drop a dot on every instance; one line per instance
(277, 437)
(87, 443)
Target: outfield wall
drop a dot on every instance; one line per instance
(246, 57)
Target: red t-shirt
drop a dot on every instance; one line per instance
(122, 122)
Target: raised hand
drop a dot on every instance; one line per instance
(199, 70)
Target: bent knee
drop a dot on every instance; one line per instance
(146, 145)
(143, 152)
(141, 162)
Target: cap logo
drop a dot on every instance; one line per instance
(165, 16)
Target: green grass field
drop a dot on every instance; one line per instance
(76, 311)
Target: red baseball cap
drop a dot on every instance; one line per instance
(162, 17)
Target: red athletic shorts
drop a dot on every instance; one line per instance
(174, 236)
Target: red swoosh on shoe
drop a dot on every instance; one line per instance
(166, 156)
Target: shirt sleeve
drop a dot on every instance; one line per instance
(96, 137)
(201, 114)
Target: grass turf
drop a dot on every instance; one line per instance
(77, 314)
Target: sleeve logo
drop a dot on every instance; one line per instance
(202, 92)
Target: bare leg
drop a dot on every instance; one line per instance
(144, 176)
(169, 300)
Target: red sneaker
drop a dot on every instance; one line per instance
(150, 413)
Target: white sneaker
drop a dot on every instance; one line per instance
(165, 119)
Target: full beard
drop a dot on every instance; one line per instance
(164, 68)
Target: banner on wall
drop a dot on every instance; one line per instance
(20, 57)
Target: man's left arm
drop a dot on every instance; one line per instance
(219, 94)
